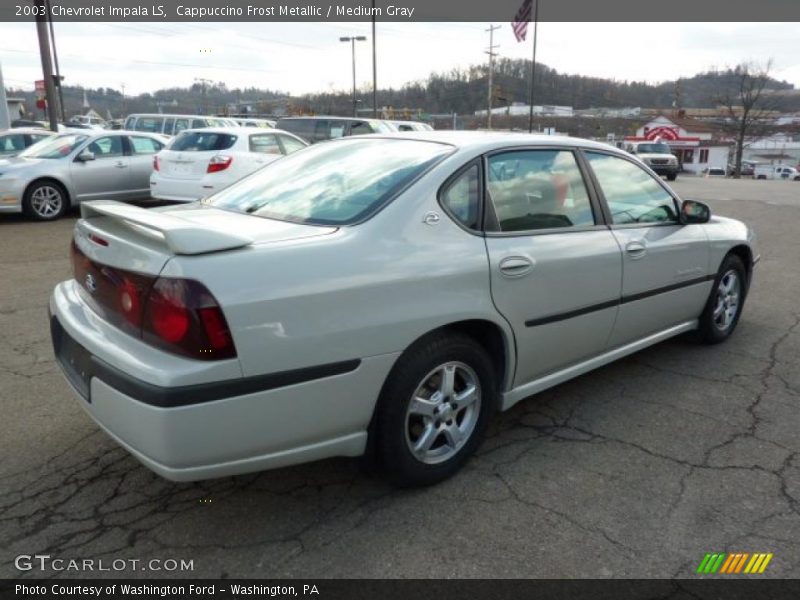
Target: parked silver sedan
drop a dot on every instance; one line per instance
(14, 141)
(67, 169)
(382, 295)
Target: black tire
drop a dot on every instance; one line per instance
(36, 207)
(717, 328)
(395, 428)
(672, 177)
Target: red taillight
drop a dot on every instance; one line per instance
(177, 315)
(220, 162)
(156, 166)
(182, 316)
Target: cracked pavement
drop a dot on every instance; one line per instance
(634, 470)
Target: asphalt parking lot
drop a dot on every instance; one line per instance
(634, 470)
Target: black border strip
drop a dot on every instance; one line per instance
(170, 397)
(611, 303)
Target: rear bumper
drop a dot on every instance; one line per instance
(218, 428)
(178, 190)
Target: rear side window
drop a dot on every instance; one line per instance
(461, 197)
(202, 141)
(149, 124)
(145, 145)
(537, 189)
(129, 122)
(632, 194)
(264, 144)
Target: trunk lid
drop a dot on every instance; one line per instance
(143, 240)
(185, 165)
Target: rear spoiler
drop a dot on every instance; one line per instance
(182, 236)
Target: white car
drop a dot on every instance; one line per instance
(409, 126)
(14, 141)
(252, 122)
(382, 295)
(776, 172)
(200, 162)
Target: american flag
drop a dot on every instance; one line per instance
(520, 22)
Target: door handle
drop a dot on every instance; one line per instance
(636, 249)
(121, 165)
(516, 266)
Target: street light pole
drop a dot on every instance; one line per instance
(374, 68)
(353, 40)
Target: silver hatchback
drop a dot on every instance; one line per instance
(67, 169)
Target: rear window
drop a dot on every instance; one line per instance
(332, 184)
(202, 141)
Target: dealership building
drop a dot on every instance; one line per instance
(692, 141)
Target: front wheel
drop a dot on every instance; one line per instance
(725, 303)
(45, 201)
(434, 409)
(672, 177)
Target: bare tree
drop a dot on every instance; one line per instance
(747, 105)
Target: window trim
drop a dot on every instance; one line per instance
(601, 195)
(479, 230)
(597, 213)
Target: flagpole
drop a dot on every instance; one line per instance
(533, 65)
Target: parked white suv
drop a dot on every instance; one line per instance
(199, 162)
(776, 172)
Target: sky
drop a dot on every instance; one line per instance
(300, 58)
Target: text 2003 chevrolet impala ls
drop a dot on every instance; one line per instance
(381, 295)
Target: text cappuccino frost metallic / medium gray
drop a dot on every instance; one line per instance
(383, 295)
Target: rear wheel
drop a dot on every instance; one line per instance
(725, 303)
(672, 177)
(45, 201)
(434, 409)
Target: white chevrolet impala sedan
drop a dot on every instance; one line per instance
(381, 296)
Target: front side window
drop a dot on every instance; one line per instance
(55, 147)
(537, 189)
(264, 144)
(11, 144)
(180, 125)
(106, 147)
(461, 197)
(332, 184)
(632, 194)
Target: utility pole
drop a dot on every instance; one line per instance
(374, 68)
(533, 65)
(491, 54)
(55, 60)
(124, 103)
(47, 64)
(203, 82)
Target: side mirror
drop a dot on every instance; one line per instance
(693, 211)
(85, 155)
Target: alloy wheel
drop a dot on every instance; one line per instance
(46, 201)
(727, 301)
(443, 412)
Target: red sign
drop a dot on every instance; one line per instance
(40, 85)
(664, 133)
(41, 103)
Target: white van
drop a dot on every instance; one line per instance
(173, 124)
(776, 172)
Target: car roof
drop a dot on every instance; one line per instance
(488, 140)
(17, 130)
(312, 117)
